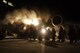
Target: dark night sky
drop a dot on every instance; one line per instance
(68, 9)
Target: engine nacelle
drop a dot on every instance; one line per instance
(56, 20)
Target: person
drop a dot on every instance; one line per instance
(61, 36)
(71, 33)
(53, 33)
(47, 37)
(77, 29)
(32, 32)
(2, 34)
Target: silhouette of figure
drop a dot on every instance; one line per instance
(47, 38)
(71, 33)
(61, 36)
(77, 37)
(2, 33)
(32, 32)
(53, 33)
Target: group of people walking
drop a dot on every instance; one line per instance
(73, 34)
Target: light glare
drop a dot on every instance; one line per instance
(4, 1)
(27, 21)
(35, 22)
(43, 30)
(24, 28)
(10, 4)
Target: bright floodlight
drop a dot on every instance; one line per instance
(24, 28)
(35, 22)
(10, 4)
(43, 30)
(4, 1)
